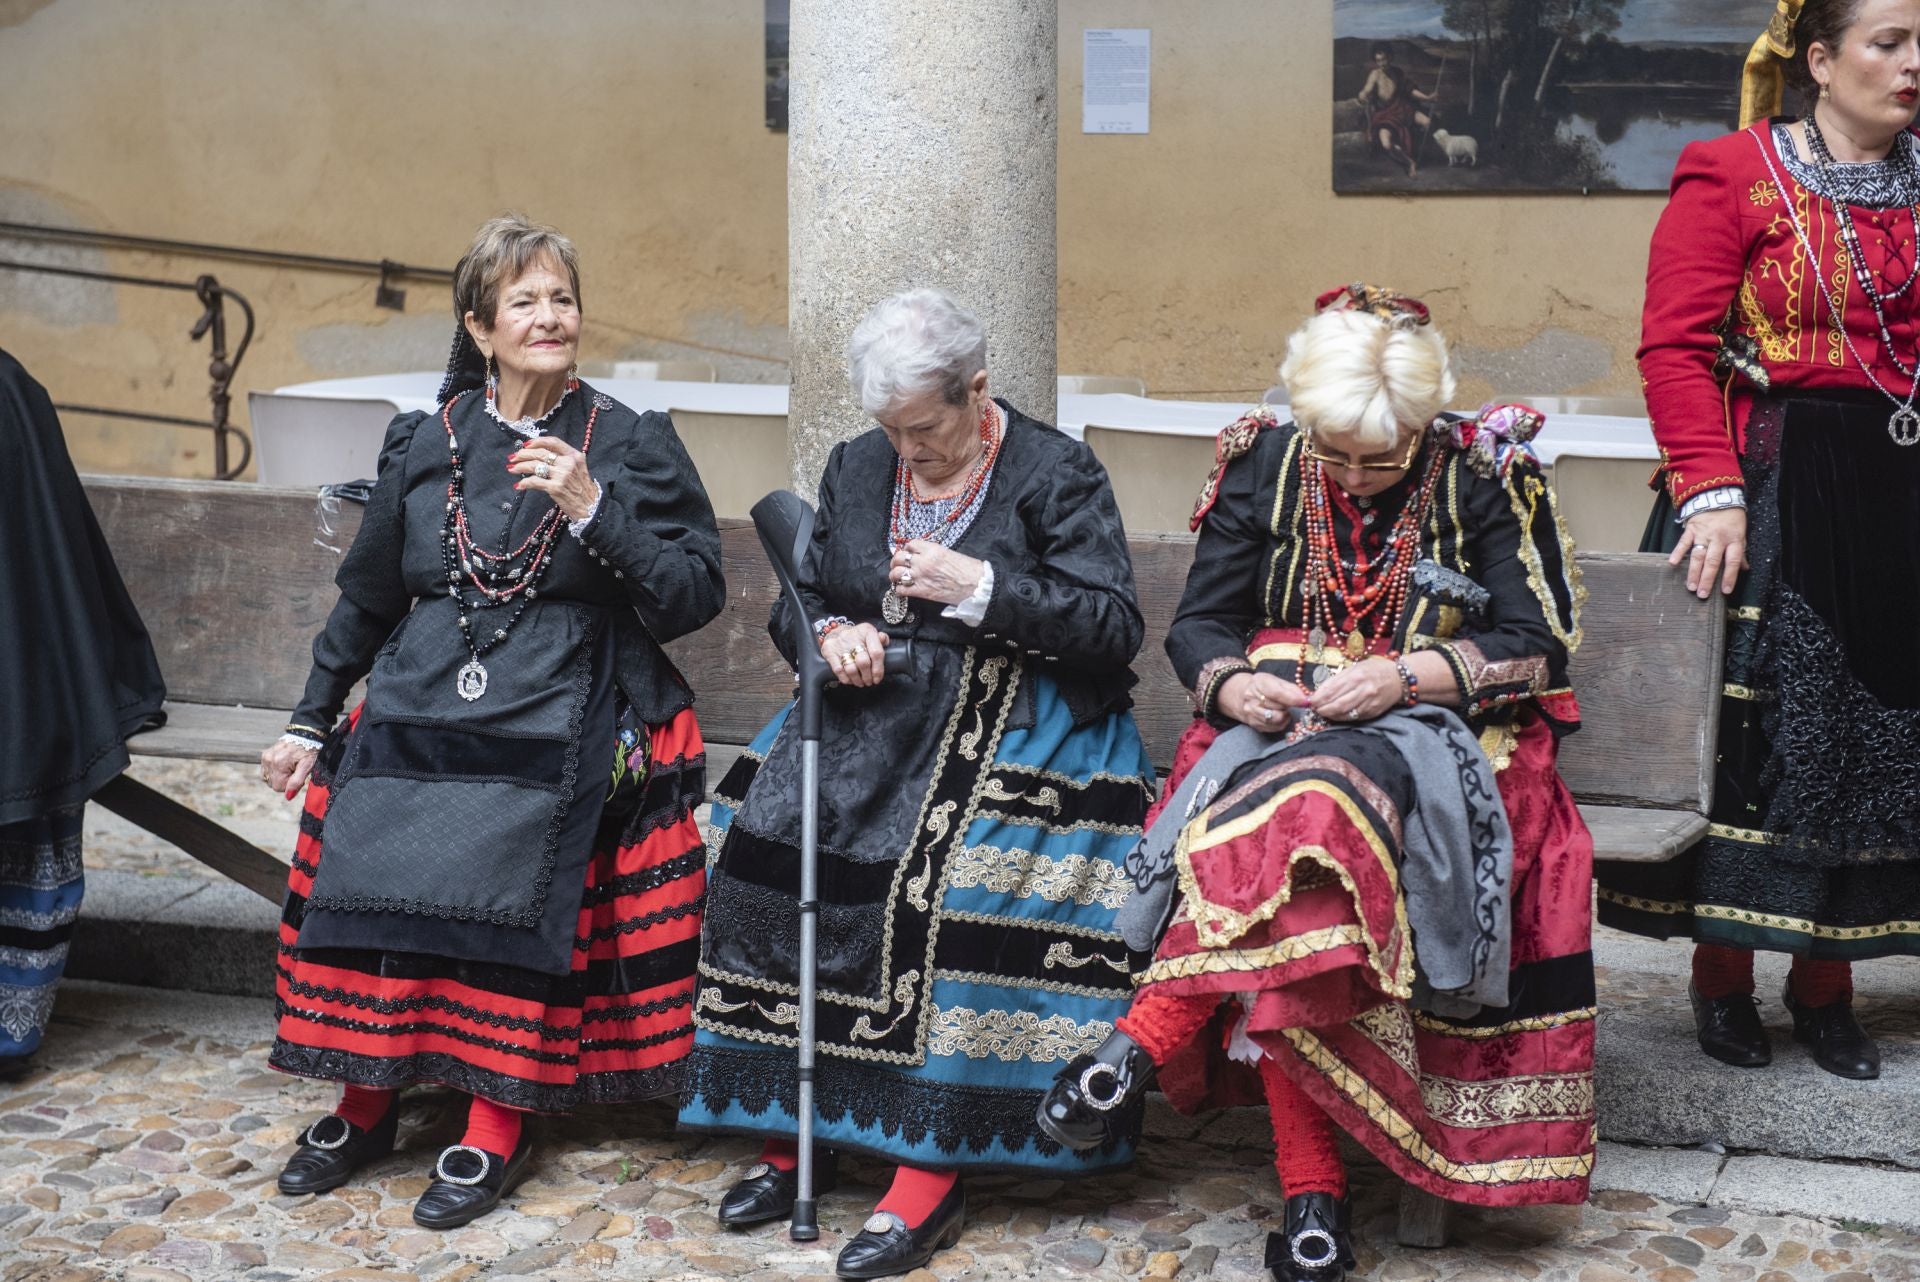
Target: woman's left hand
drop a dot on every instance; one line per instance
(1361, 692)
(925, 569)
(566, 481)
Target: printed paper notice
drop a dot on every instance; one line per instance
(1116, 82)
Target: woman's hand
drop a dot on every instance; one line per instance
(566, 481)
(1714, 546)
(1361, 692)
(285, 765)
(857, 653)
(1260, 700)
(927, 570)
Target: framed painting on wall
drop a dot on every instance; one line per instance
(1531, 95)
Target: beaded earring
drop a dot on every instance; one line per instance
(573, 377)
(493, 380)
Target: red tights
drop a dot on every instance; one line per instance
(912, 1195)
(1719, 971)
(1305, 1143)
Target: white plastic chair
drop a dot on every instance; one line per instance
(1156, 476)
(1099, 384)
(741, 457)
(316, 440)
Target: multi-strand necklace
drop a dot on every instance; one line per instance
(1904, 425)
(497, 579)
(1364, 600)
(940, 521)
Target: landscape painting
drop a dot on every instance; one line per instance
(1531, 95)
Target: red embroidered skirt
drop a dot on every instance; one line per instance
(615, 1029)
(1291, 904)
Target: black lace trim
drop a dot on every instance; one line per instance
(632, 925)
(530, 916)
(638, 1043)
(286, 1010)
(960, 1120)
(446, 1005)
(627, 1086)
(639, 883)
(305, 867)
(637, 1011)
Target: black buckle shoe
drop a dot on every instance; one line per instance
(333, 1148)
(766, 1192)
(1080, 1108)
(1729, 1029)
(1839, 1044)
(1317, 1245)
(468, 1182)
(885, 1246)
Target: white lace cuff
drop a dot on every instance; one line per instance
(577, 528)
(974, 609)
(1712, 501)
(311, 745)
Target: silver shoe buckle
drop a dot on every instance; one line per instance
(881, 1223)
(1314, 1235)
(1094, 1072)
(466, 1181)
(328, 1146)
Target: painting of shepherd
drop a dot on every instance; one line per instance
(1531, 95)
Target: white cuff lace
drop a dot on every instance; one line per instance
(974, 609)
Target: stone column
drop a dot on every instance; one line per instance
(921, 151)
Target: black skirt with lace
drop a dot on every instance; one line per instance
(1814, 846)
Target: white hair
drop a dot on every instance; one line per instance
(917, 341)
(1353, 378)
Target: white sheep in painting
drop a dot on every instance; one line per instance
(1461, 149)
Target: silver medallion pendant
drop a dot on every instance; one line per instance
(893, 608)
(472, 680)
(1319, 676)
(1904, 426)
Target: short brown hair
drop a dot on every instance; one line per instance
(1821, 22)
(502, 250)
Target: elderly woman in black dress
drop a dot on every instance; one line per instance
(973, 816)
(509, 899)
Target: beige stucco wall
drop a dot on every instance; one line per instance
(375, 128)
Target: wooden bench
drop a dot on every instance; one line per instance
(233, 581)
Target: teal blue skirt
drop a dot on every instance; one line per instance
(957, 979)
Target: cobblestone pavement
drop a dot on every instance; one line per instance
(144, 1148)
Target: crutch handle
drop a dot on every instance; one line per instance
(899, 660)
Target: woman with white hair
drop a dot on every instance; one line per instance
(973, 816)
(1367, 884)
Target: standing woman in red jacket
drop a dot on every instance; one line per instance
(1780, 351)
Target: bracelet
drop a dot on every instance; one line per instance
(821, 627)
(1409, 684)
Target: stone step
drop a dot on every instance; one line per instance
(1655, 1088)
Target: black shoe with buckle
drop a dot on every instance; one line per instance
(766, 1192)
(333, 1148)
(885, 1246)
(1089, 1093)
(1729, 1029)
(1839, 1044)
(468, 1182)
(1317, 1245)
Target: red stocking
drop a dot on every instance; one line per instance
(364, 1106)
(1162, 1025)
(492, 1128)
(781, 1155)
(915, 1192)
(1306, 1146)
(1821, 983)
(1722, 972)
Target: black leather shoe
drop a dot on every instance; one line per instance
(885, 1246)
(1839, 1044)
(333, 1148)
(14, 1068)
(468, 1182)
(766, 1192)
(1729, 1029)
(1317, 1245)
(1090, 1092)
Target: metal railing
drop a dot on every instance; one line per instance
(221, 367)
(212, 323)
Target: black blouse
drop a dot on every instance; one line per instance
(650, 556)
(1496, 591)
(1063, 600)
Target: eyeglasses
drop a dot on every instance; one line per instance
(1320, 454)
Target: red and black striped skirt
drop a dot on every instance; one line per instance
(613, 1030)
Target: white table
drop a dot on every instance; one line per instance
(1586, 434)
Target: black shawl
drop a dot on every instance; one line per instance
(77, 670)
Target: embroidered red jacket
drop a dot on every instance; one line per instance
(1725, 254)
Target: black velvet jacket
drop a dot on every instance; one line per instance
(1063, 600)
(651, 555)
(1495, 591)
